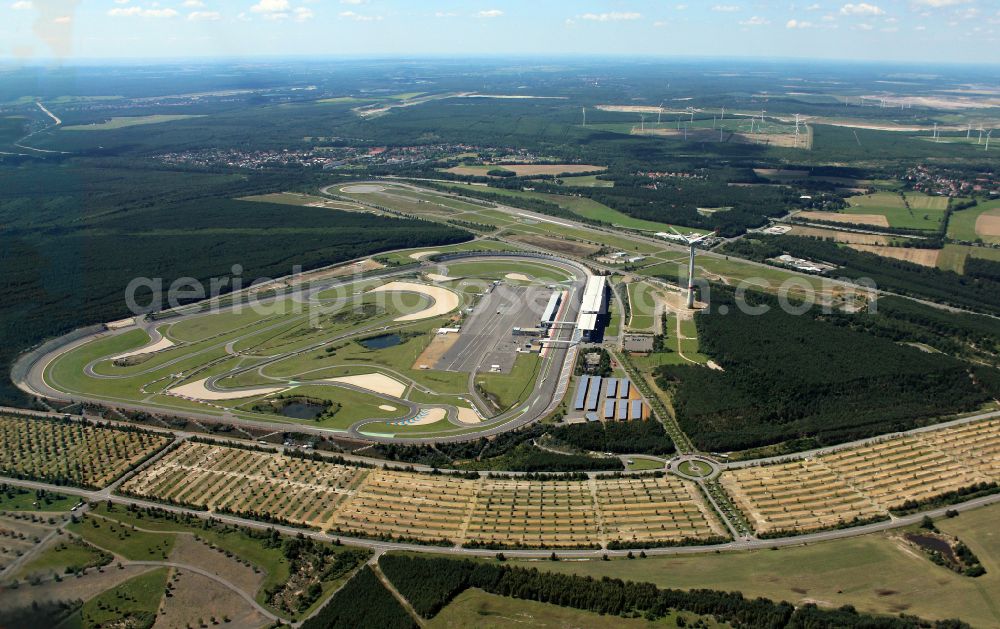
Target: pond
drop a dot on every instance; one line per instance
(381, 342)
(303, 410)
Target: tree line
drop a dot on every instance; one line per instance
(430, 583)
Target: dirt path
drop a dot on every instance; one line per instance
(373, 562)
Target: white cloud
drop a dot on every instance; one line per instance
(813, 7)
(270, 6)
(204, 16)
(140, 12)
(192, 4)
(921, 27)
(63, 19)
(303, 13)
(490, 13)
(864, 26)
(862, 8)
(352, 1)
(726, 8)
(798, 24)
(659, 24)
(614, 16)
(22, 5)
(357, 17)
(755, 21)
(937, 4)
(445, 14)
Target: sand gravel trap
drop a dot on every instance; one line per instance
(834, 217)
(520, 277)
(420, 255)
(923, 257)
(434, 277)
(377, 382)
(198, 391)
(468, 416)
(444, 300)
(163, 343)
(988, 224)
(426, 416)
(386, 407)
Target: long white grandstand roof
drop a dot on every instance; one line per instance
(587, 322)
(593, 295)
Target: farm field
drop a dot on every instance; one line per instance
(865, 482)
(73, 453)
(953, 257)
(427, 508)
(924, 212)
(876, 573)
(840, 236)
(981, 221)
(923, 257)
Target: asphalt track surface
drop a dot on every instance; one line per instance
(551, 384)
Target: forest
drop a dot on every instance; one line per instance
(980, 293)
(790, 377)
(430, 583)
(361, 602)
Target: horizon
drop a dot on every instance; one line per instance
(886, 31)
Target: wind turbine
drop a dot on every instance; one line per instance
(796, 129)
(584, 116)
(980, 134)
(642, 122)
(968, 131)
(691, 242)
(659, 112)
(988, 139)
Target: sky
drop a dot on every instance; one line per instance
(67, 31)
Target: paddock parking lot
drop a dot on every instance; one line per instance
(486, 335)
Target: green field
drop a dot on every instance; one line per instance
(925, 212)
(16, 499)
(511, 388)
(642, 307)
(64, 556)
(476, 608)
(875, 573)
(131, 544)
(962, 224)
(120, 122)
(500, 269)
(138, 598)
(952, 257)
(585, 181)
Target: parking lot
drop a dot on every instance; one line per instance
(486, 337)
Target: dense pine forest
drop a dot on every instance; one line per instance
(789, 377)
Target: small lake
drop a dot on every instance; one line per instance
(303, 410)
(381, 342)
